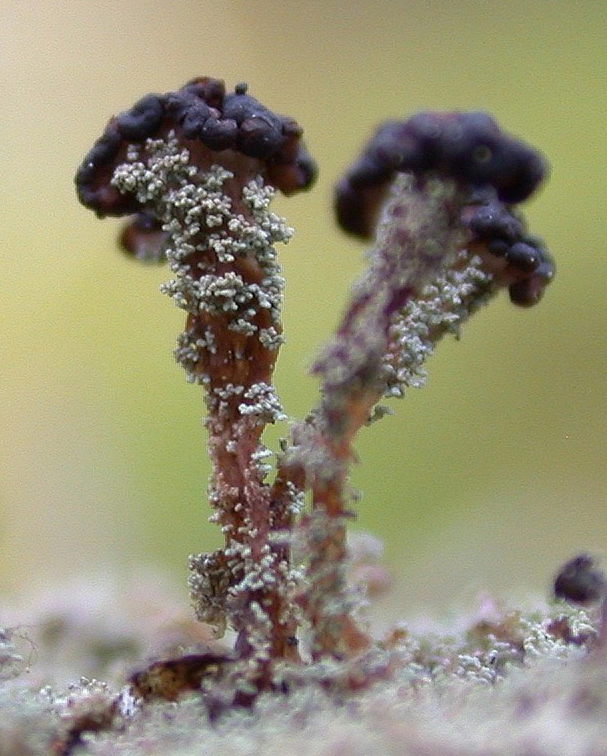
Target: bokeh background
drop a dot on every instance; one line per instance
(484, 481)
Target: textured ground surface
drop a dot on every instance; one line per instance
(503, 683)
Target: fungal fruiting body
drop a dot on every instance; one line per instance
(197, 169)
(436, 193)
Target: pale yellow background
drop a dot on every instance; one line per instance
(486, 479)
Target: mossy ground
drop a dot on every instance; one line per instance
(507, 682)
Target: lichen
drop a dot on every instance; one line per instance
(505, 683)
(436, 194)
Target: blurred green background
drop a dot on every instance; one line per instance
(485, 480)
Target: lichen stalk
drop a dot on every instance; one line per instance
(196, 169)
(445, 304)
(419, 234)
(447, 238)
(219, 245)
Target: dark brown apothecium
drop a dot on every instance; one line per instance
(580, 581)
(216, 126)
(499, 170)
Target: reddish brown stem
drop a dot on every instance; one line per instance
(419, 235)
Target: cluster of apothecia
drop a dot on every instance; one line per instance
(518, 259)
(203, 115)
(470, 148)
